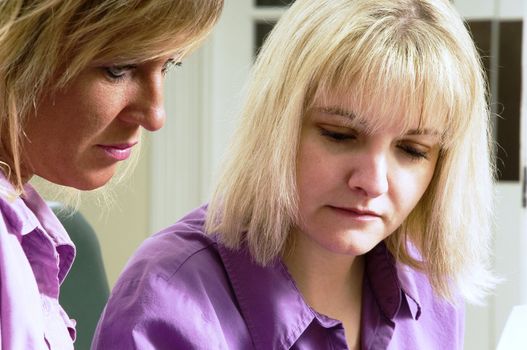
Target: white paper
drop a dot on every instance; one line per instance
(514, 335)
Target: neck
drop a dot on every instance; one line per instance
(320, 274)
(330, 283)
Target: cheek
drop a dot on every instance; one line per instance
(320, 179)
(91, 105)
(314, 169)
(409, 187)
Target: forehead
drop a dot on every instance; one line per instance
(130, 58)
(146, 50)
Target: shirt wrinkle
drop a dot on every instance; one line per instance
(48, 223)
(32, 268)
(66, 257)
(240, 296)
(325, 321)
(189, 257)
(381, 270)
(415, 307)
(266, 334)
(41, 220)
(260, 307)
(409, 287)
(18, 219)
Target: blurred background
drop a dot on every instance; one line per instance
(177, 165)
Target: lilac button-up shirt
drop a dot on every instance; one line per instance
(35, 256)
(183, 290)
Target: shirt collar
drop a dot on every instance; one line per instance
(19, 219)
(275, 311)
(52, 227)
(28, 212)
(391, 283)
(273, 308)
(409, 288)
(47, 220)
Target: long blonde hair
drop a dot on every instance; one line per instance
(44, 44)
(412, 55)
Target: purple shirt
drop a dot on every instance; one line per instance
(183, 290)
(35, 256)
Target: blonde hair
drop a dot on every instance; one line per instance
(388, 55)
(44, 44)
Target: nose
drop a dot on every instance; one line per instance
(149, 110)
(369, 174)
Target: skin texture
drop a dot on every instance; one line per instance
(356, 185)
(77, 136)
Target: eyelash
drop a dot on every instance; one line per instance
(122, 70)
(110, 71)
(168, 66)
(414, 153)
(338, 137)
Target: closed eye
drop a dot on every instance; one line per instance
(413, 152)
(336, 136)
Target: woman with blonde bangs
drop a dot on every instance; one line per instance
(78, 81)
(354, 209)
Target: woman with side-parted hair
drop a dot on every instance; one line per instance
(78, 81)
(354, 209)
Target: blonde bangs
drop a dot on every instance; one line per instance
(391, 63)
(137, 31)
(45, 44)
(396, 74)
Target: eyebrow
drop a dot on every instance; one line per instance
(423, 132)
(339, 111)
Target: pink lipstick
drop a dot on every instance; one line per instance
(119, 151)
(357, 214)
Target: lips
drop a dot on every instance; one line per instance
(359, 213)
(121, 151)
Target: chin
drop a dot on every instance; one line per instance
(85, 183)
(93, 184)
(89, 186)
(356, 246)
(350, 250)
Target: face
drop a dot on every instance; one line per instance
(78, 135)
(357, 186)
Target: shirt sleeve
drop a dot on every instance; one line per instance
(168, 302)
(140, 315)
